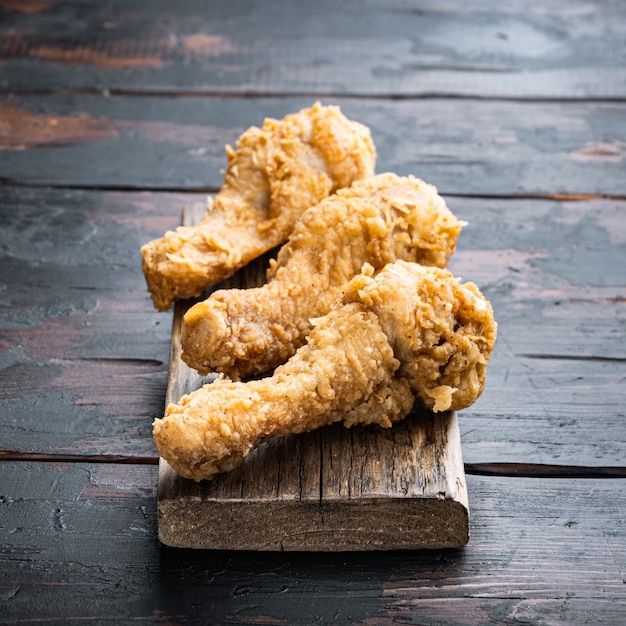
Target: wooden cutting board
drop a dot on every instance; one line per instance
(334, 489)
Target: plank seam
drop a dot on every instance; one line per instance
(511, 470)
(9, 182)
(44, 457)
(284, 95)
(559, 197)
(576, 357)
(538, 470)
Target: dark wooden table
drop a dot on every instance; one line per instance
(113, 115)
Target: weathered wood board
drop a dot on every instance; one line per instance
(335, 489)
(539, 548)
(561, 49)
(483, 148)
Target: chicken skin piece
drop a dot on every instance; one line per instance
(243, 332)
(409, 334)
(277, 172)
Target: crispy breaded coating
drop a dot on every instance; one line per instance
(410, 333)
(243, 332)
(277, 172)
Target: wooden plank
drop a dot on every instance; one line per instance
(562, 49)
(83, 356)
(370, 489)
(554, 272)
(291, 507)
(464, 147)
(79, 542)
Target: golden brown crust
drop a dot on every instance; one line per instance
(410, 333)
(442, 331)
(277, 172)
(376, 221)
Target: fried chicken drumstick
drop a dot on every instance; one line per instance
(242, 332)
(277, 172)
(410, 333)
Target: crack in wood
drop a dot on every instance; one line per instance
(139, 189)
(526, 470)
(6, 181)
(572, 357)
(152, 92)
(537, 470)
(117, 360)
(44, 457)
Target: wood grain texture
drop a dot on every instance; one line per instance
(83, 359)
(561, 49)
(79, 541)
(464, 147)
(328, 490)
(554, 273)
(493, 100)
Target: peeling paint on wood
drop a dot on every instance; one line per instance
(21, 129)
